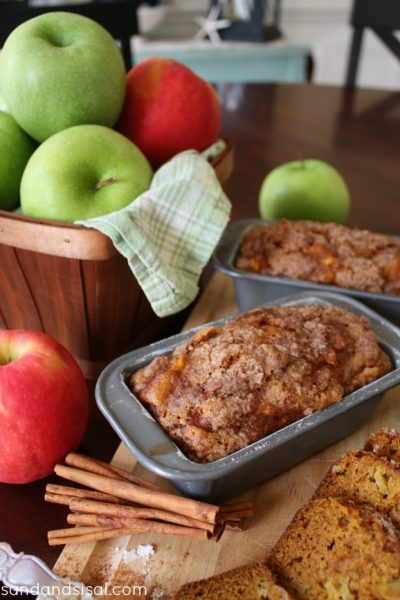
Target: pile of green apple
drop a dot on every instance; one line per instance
(79, 137)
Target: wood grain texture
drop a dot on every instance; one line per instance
(94, 308)
(112, 296)
(18, 307)
(275, 502)
(55, 284)
(52, 237)
(357, 131)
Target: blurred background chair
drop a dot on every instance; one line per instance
(383, 18)
(117, 16)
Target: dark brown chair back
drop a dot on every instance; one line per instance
(383, 18)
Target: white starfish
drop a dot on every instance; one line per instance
(210, 25)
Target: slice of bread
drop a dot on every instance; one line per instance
(252, 582)
(336, 549)
(343, 545)
(385, 443)
(365, 477)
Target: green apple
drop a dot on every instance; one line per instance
(305, 189)
(61, 69)
(82, 172)
(15, 149)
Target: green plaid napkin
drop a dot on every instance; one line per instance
(169, 233)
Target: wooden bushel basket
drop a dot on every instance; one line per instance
(71, 283)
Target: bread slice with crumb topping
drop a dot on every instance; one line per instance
(338, 550)
(385, 443)
(253, 582)
(364, 477)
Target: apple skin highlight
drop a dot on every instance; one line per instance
(44, 405)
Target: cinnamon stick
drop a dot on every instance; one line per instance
(236, 512)
(151, 498)
(86, 463)
(103, 533)
(238, 506)
(98, 533)
(120, 511)
(65, 499)
(239, 515)
(140, 524)
(57, 498)
(130, 476)
(65, 490)
(69, 531)
(92, 465)
(219, 530)
(90, 520)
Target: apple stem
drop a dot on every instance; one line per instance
(104, 182)
(6, 360)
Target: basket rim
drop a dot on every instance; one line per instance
(52, 237)
(76, 241)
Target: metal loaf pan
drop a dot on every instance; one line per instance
(253, 289)
(246, 468)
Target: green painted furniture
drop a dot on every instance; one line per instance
(233, 62)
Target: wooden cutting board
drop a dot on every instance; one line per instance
(174, 561)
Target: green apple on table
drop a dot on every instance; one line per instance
(16, 148)
(305, 189)
(83, 172)
(61, 69)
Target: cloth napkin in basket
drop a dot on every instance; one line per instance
(169, 233)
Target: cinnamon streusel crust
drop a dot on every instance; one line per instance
(231, 385)
(325, 253)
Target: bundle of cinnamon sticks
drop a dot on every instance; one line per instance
(114, 502)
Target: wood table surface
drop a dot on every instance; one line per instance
(356, 131)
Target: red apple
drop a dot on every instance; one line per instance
(168, 109)
(44, 404)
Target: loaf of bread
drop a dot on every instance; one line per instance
(325, 253)
(336, 549)
(385, 443)
(252, 582)
(364, 477)
(342, 545)
(231, 385)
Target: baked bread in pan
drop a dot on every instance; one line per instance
(324, 253)
(231, 385)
